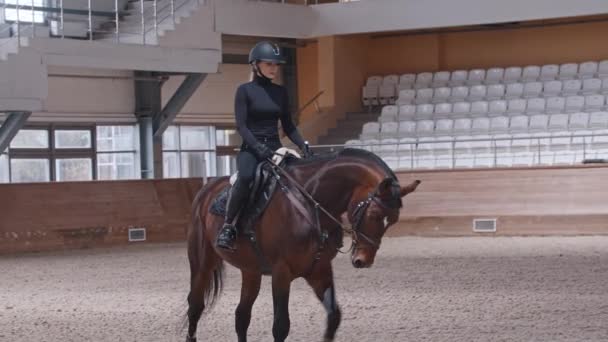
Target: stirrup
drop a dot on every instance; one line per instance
(226, 239)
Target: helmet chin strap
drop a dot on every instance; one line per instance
(259, 72)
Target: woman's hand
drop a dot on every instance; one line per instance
(262, 151)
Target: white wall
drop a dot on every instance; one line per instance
(296, 21)
(23, 82)
(214, 100)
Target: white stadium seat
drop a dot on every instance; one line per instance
(404, 86)
(441, 79)
(392, 162)
(533, 89)
(406, 145)
(391, 80)
(480, 125)
(530, 73)
(477, 92)
(574, 104)
(425, 127)
(483, 143)
(479, 108)
(370, 95)
(407, 80)
(407, 128)
(521, 142)
(424, 111)
(536, 105)
(549, 72)
(388, 147)
(387, 94)
(571, 87)
(516, 106)
(389, 113)
(552, 88)
(558, 122)
(458, 78)
(499, 124)
(587, 70)
(462, 146)
(423, 80)
(539, 123)
(594, 103)
(374, 80)
(556, 105)
(443, 110)
(497, 107)
(495, 92)
(502, 142)
(602, 70)
(495, 75)
(371, 145)
(598, 120)
(514, 90)
(591, 86)
(512, 75)
(406, 112)
(423, 95)
(444, 126)
(579, 121)
(406, 96)
(459, 93)
(461, 109)
(476, 76)
(568, 71)
(462, 126)
(519, 123)
(441, 94)
(560, 141)
(604, 89)
(370, 130)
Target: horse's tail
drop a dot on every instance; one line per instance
(206, 267)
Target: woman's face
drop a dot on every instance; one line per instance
(268, 69)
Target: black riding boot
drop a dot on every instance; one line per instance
(227, 237)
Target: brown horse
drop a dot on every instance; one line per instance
(293, 243)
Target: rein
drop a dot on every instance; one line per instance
(357, 216)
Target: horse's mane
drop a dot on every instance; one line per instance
(347, 152)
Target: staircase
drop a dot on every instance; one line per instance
(347, 129)
(156, 21)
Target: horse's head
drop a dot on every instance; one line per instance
(372, 216)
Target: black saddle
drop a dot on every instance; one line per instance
(261, 191)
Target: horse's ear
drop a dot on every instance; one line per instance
(409, 188)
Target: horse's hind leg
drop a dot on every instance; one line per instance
(249, 293)
(322, 282)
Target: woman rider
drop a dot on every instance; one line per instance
(259, 105)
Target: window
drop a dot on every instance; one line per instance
(189, 151)
(71, 154)
(24, 15)
(29, 170)
(31, 139)
(4, 171)
(117, 152)
(227, 140)
(74, 169)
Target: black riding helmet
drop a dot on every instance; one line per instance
(266, 51)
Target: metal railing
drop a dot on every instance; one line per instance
(539, 146)
(90, 23)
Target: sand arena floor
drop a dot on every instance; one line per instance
(420, 289)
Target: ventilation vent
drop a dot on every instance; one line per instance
(484, 225)
(137, 234)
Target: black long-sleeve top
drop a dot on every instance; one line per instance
(259, 105)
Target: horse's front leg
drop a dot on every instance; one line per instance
(322, 282)
(281, 283)
(249, 292)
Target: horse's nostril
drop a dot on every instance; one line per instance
(358, 263)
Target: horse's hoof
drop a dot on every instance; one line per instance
(190, 339)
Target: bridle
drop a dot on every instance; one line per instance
(357, 216)
(358, 213)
